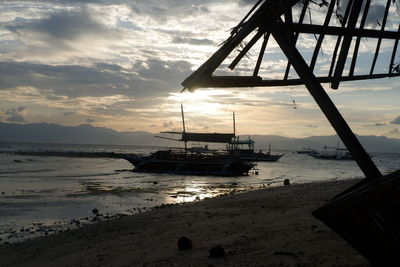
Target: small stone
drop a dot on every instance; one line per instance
(95, 211)
(217, 252)
(286, 182)
(155, 182)
(184, 243)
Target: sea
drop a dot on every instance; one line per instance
(44, 193)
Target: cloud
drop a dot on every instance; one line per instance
(192, 41)
(396, 120)
(168, 124)
(394, 133)
(247, 2)
(68, 113)
(375, 15)
(378, 124)
(165, 9)
(65, 25)
(15, 114)
(311, 126)
(90, 120)
(146, 78)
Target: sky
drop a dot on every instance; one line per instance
(119, 64)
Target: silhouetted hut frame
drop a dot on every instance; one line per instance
(275, 18)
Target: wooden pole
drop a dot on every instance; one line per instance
(396, 42)
(261, 54)
(296, 36)
(339, 39)
(326, 105)
(357, 44)
(321, 36)
(184, 129)
(246, 49)
(378, 45)
(344, 51)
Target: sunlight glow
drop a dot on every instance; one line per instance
(200, 101)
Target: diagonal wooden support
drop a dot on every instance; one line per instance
(341, 127)
(322, 36)
(344, 51)
(396, 42)
(357, 44)
(378, 45)
(246, 49)
(261, 54)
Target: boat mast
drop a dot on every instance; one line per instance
(234, 132)
(184, 129)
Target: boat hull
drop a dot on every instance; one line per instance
(191, 166)
(260, 157)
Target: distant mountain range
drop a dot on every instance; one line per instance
(88, 134)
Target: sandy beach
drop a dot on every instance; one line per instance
(267, 227)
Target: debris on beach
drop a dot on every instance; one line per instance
(217, 252)
(184, 243)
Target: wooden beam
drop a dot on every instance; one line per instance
(261, 54)
(344, 50)
(334, 30)
(257, 81)
(339, 39)
(326, 105)
(357, 44)
(378, 45)
(296, 35)
(246, 49)
(321, 36)
(394, 53)
(258, 18)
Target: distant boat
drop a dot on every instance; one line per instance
(333, 153)
(245, 149)
(193, 161)
(307, 150)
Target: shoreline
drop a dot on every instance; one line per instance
(271, 226)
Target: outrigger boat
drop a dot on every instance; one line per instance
(334, 153)
(193, 161)
(245, 148)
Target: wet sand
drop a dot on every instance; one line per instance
(267, 227)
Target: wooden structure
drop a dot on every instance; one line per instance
(346, 23)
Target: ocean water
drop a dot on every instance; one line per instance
(41, 195)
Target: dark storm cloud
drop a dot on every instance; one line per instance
(146, 78)
(396, 120)
(62, 25)
(14, 114)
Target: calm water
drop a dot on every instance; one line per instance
(41, 195)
